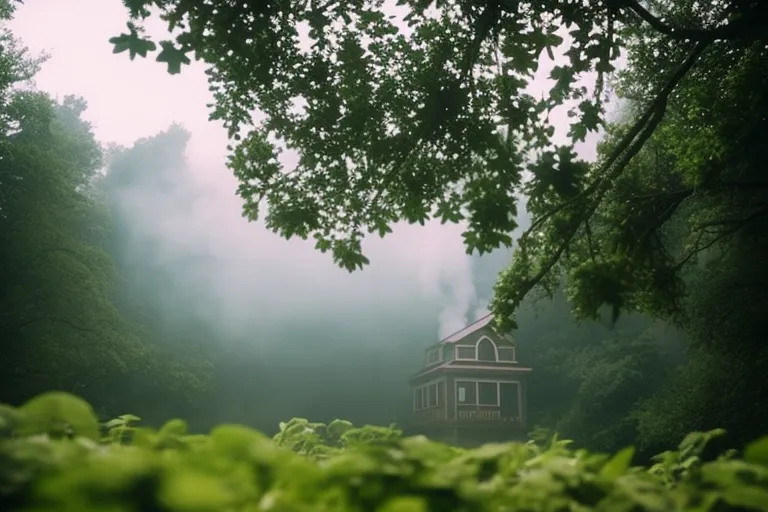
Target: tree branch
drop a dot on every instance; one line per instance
(68, 323)
(748, 26)
(736, 226)
(677, 198)
(628, 147)
(659, 104)
(651, 117)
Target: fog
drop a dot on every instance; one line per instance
(290, 321)
(299, 335)
(129, 100)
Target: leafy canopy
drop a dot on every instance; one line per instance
(53, 461)
(421, 110)
(61, 322)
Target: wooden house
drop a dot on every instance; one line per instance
(471, 389)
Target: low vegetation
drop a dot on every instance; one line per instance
(54, 455)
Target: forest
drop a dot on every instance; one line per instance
(614, 220)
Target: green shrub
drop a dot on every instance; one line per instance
(55, 456)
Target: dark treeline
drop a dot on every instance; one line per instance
(96, 299)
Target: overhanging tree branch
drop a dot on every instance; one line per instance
(747, 26)
(675, 198)
(734, 226)
(652, 116)
(614, 166)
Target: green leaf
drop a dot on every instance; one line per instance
(129, 418)
(133, 43)
(757, 452)
(746, 497)
(338, 428)
(10, 419)
(172, 56)
(60, 415)
(175, 427)
(405, 504)
(117, 422)
(195, 491)
(618, 464)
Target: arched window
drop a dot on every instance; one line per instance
(486, 350)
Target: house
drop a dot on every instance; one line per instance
(471, 389)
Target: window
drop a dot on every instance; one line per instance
(507, 354)
(486, 350)
(483, 350)
(510, 400)
(433, 356)
(488, 393)
(465, 352)
(467, 392)
(426, 397)
(418, 399)
(432, 396)
(503, 394)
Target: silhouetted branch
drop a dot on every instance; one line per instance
(747, 26)
(735, 225)
(628, 147)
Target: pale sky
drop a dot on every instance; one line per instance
(258, 273)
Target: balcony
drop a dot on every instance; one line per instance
(466, 415)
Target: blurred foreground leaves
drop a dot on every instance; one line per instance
(50, 461)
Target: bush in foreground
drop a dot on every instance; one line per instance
(54, 456)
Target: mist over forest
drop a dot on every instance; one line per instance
(298, 337)
(132, 277)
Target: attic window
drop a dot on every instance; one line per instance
(465, 352)
(433, 356)
(486, 350)
(507, 354)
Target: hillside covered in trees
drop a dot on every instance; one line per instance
(631, 271)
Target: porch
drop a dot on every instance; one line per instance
(467, 415)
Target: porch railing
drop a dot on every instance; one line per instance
(427, 415)
(465, 414)
(482, 413)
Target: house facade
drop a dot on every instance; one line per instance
(471, 389)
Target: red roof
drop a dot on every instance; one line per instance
(466, 331)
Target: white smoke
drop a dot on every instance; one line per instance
(458, 295)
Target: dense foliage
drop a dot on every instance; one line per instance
(645, 382)
(590, 380)
(57, 278)
(61, 321)
(54, 458)
(424, 111)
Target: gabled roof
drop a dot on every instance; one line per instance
(466, 331)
